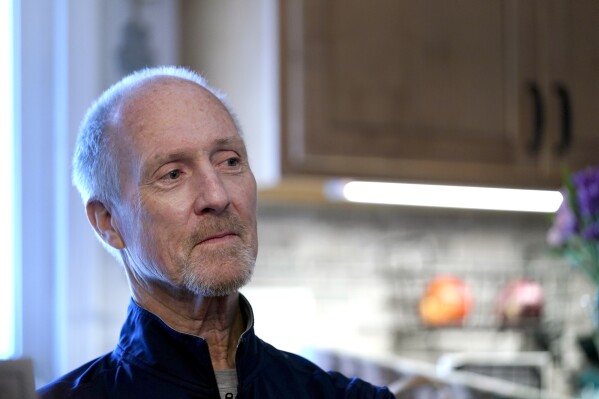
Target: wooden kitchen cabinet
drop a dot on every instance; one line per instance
(571, 82)
(466, 92)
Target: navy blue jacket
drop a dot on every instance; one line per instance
(152, 360)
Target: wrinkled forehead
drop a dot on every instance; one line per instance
(145, 98)
(164, 100)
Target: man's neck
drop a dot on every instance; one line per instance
(218, 320)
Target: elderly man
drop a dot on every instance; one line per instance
(166, 183)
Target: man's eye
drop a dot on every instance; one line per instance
(173, 174)
(233, 161)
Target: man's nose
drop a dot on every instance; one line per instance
(212, 195)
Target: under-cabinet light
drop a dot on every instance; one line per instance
(501, 199)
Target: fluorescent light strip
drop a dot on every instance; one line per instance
(501, 199)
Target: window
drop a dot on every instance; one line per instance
(7, 199)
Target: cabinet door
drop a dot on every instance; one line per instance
(415, 90)
(573, 83)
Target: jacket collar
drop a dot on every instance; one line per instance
(150, 343)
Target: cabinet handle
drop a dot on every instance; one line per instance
(566, 122)
(538, 119)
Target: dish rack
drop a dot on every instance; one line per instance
(485, 280)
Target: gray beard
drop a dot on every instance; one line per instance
(197, 283)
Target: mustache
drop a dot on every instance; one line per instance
(214, 225)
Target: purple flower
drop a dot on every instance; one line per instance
(586, 185)
(564, 225)
(579, 212)
(575, 229)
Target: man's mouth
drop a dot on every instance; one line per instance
(219, 238)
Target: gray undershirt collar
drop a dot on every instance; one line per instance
(227, 383)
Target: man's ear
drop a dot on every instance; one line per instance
(101, 220)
